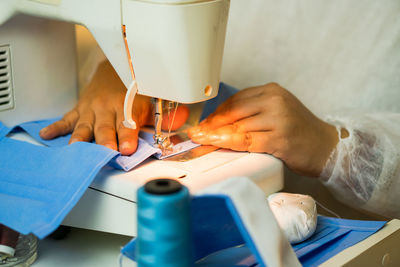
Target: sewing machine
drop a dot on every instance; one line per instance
(169, 50)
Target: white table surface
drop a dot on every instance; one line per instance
(82, 248)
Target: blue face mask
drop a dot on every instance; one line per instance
(331, 237)
(40, 185)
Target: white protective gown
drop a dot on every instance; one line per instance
(342, 60)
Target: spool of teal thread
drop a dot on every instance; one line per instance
(164, 228)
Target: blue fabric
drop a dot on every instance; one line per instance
(332, 236)
(143, 152)
(220, 237)
(33, 128)
(239, 256)
(4, 130)
(40, 185)
(126, 163)
(216, 223)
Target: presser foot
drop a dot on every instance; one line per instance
(164, 144)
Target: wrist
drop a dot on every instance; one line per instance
(329, 164)
(329, 143)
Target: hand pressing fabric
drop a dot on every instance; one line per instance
(270, 119)
(99, 114)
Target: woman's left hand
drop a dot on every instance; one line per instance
(270, 119)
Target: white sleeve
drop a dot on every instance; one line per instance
(364, 169)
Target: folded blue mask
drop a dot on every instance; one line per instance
(40, 185)
(126, 163)
(332, 236)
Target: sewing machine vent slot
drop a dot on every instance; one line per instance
(6, 88)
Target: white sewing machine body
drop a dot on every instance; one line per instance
(38, 80)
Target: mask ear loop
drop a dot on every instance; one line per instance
(328, 210)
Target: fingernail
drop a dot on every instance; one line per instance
(43, 131)
(125, 146)
(73, 140)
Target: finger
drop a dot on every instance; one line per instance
(248, 141)
(61, 127)
(230, 112)
(127, 138)
(256, 91)
(104, 128)
(246, 100)
(226, 137)
(241, 95)
(83, 131)
(175, 122)
(247, 95)
(257, 123)
(226, 116)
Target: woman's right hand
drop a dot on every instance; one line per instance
(99, 114)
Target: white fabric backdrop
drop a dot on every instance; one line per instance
(333, 55)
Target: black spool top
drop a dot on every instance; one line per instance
(162, 186)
